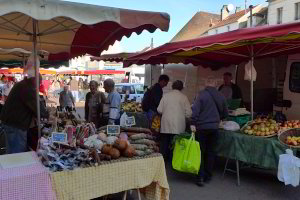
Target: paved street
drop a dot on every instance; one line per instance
(256, 184)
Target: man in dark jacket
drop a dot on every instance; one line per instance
(208, 109)
(229, 89)
(17, 114)
(156, 93)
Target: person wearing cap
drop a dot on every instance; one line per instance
(175, 108)
(18, 112)
(113, 103)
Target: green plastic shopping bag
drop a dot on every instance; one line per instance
(187, 155)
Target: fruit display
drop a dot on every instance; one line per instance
(290, 137)
(262, 127)
(291, 124)
(131, 107)
(293, 140)
(156, 123)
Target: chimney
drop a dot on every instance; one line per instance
(238, 9)
(224, 12)
(211, 23)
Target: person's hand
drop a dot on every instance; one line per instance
(193, 128)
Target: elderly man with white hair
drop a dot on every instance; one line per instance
(113, 103)
(209, 109)
(66, 99)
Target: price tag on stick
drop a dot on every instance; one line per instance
(61, 138)
(113, 129)
(130, 121)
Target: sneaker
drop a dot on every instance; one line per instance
(200, 182)
(207, 179)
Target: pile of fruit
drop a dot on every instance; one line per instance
(156, 123)
(262, 127)
(293, 140)
(291, 124)
(131, 107)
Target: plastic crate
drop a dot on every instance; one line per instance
(241, 120)
(234, 104)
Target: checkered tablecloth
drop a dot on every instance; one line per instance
(112, 177)
(30, 182)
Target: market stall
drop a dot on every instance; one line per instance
(20, 71)
(255, 147)
(56, 27)
(147, 174)
(80, 159)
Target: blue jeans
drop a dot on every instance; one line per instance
(16, 139)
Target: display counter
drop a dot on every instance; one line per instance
(147, 174)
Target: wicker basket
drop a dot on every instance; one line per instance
(289, 132)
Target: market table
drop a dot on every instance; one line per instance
(251, 150)
(26, 183)
(260, 151)
(112, 177)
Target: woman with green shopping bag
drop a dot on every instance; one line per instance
(209, 109)
(175, 108)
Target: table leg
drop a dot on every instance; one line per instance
(139, 194)
(125, 195)
(225, 168)
(238, 172)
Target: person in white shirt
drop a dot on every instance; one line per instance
(175, 108)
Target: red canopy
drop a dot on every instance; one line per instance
(95, 72)
(91, 72)
(117, 57)
(68, 29)
(225, 49)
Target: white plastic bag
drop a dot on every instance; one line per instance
(123, 119)
(247, 76)
(231, 126)
(288, 168)
(29, 69)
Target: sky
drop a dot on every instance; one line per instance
(180, 11)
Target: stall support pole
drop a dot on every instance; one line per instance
(252, 105)
(37, 79)
(252, 63)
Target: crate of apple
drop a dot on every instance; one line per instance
(291, 124)
(293, 140)
(262, 128)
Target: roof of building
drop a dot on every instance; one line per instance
(197, 25)
(231, 19)
(262, 12)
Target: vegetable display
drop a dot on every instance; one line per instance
(89, 147)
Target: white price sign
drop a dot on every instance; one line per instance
(130, 121)
(59, 138)
(113, 130)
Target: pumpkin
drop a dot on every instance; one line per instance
(106, 148)
(129, 152)
(114, 153)
(121, 144)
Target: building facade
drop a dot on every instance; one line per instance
(283, 11)
(239, 19)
